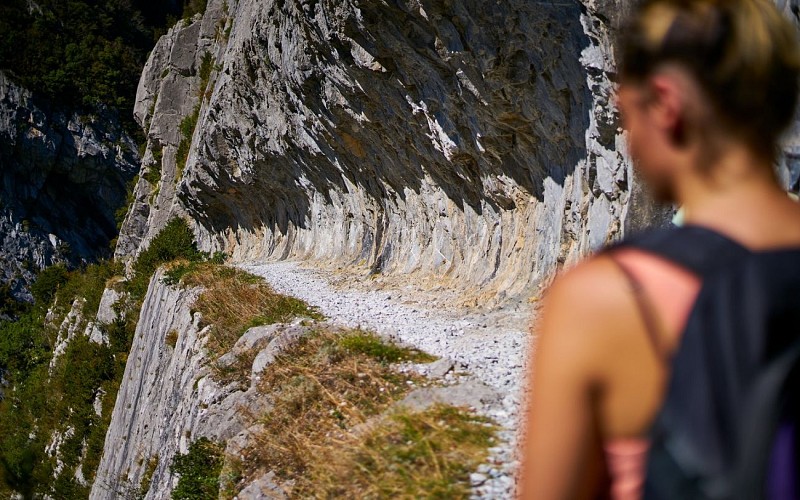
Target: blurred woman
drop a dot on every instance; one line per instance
(706, 88)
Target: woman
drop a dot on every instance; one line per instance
(706, 89)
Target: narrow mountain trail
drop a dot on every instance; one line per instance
(489, 347)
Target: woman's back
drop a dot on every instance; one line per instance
(670, 290)
(765, 278)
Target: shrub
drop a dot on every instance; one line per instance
(87, 283)
(40, 401)
(175, 241)
(206, 65)
(218, 258)
(122, 211)
(23, 345)
(153, 173)
(192, 7)
(199, 471)
(187, 127)
(10, 307)
(48, 282)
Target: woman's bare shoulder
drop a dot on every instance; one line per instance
(585, 312)
(595, 283)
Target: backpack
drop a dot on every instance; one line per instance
(729, 427)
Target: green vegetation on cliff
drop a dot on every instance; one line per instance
(40, 400)
(84, 53)
(198, 471)
(65, 406)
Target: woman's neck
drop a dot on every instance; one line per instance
(737, 195)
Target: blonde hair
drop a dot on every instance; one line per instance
(743, 53)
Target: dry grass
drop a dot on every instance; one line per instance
(234, 301)
(427, 454)
(326, 435)
(319, 388)
(172, 338)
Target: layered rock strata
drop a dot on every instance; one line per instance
(456, 139)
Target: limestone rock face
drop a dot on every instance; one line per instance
(464, 140)
(158, 407)
(170, 396)
(789, 163)
(458, 139)
(62, 177)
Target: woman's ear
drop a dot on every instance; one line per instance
(668, 107)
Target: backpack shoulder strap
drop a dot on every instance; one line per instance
(700, 250)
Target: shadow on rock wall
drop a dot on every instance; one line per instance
(62, 178)
(483, 100)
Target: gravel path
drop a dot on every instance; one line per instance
(490, 346)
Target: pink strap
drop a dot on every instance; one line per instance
(645, 306)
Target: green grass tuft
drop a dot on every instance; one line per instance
(362, 342)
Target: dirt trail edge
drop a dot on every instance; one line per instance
(477, 347)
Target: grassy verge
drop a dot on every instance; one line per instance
(320, 388)
(427, 454)
(234, 300)
(335, 431)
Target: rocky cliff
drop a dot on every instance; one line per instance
(458, 139)
(161, 405)
(62, 178)
(454, 139)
